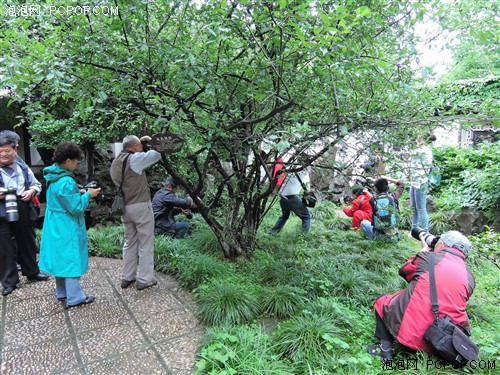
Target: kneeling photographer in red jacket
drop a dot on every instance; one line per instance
(406, 315)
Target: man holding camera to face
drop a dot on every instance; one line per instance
(407, 314)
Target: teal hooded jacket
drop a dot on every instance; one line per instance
(64, 245)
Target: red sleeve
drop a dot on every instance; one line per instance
(355, 206)
(408, 270)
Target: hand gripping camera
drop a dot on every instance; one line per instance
(95, 185)
(12, 214)
(420, 234)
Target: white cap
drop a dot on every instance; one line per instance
(456, 240)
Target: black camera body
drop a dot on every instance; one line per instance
(95, 185)
(11, 211)
(420, 234)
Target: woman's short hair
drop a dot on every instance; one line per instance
(65, 151)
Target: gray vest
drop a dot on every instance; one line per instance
(135, 187)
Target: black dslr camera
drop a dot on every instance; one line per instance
(11, 212)
(95, 185)
(420, 234)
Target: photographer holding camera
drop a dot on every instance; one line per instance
(406, 315)
(64, 246)
(166, 205)
(18, 186)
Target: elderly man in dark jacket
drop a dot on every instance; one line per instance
(166, 205)
(406, 314)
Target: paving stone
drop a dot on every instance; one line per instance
(154, 331)
(110, 341)
(169, 324)
(29, 308)
(22, 333)
(180, 353)
(44, 358)
(140, 362)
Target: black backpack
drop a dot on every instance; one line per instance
(385, 211)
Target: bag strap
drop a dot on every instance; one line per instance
(24, 169)
(432, 283)
(361, 203)
(124, 165)
(303, 185)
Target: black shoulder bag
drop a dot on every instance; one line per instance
(118, 206)
(309, 199)
(446, 337)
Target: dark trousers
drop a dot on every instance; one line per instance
(381, 330)
(21, 249)
(289, 204)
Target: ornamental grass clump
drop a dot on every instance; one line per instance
(227, 302)
(281, 301)
(199, 268)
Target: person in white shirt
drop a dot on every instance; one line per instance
(291, 202)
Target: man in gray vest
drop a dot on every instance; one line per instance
(138, 218)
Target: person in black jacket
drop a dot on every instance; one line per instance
(166, 205)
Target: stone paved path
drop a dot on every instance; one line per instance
(153, 331)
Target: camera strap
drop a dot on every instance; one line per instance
(432, 283)
(124, 165)
(301, 183)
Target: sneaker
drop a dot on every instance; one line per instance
(141, 286)
(376, 350)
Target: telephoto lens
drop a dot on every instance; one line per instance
(420, 234)
(11, 206)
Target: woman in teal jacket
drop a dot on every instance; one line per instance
(64, 246)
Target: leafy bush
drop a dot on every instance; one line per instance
(239, 350)
(471, 176)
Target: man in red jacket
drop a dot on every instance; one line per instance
(406, 314)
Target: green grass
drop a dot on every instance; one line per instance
(318, 291)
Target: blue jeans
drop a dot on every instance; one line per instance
(70, 288)
(181, 229)
(368, 229)
(289, 204)
(418, 202)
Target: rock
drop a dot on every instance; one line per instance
(471, 220)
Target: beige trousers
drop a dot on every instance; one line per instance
(138, 249)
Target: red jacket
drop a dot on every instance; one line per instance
(407, 313)
(358, 214)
